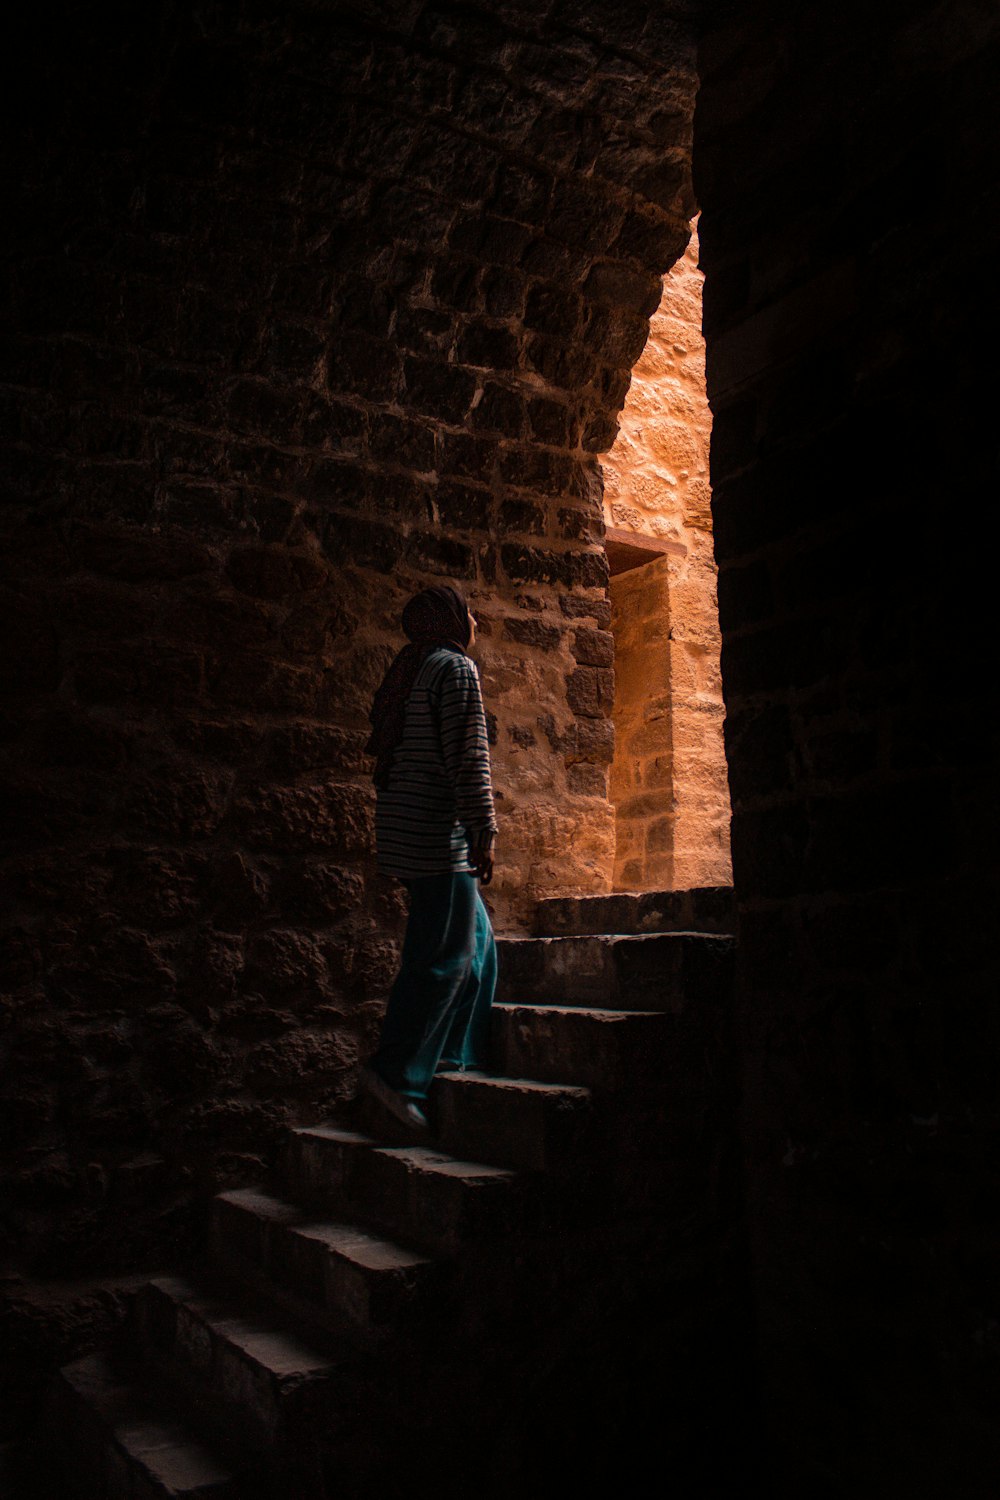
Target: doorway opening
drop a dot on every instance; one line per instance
(668, 779)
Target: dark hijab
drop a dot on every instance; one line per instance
(433, 618)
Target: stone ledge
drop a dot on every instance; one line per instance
(702, 909)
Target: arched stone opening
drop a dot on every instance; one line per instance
(668, 780)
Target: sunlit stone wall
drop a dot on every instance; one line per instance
(668, 780)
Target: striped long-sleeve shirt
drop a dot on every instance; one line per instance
(439, 797)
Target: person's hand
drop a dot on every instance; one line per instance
(482, 864)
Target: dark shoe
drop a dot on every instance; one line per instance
(406, 1110)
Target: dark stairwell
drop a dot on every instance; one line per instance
(464, 1311)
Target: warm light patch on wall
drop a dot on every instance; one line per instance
(668, 780)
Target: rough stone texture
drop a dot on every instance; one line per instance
(656, 476)
(304, 311)
(702, 909)
(668, 781)
(571, 1228)
(850, 370)
(239, 239)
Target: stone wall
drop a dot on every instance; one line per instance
(850, 371)
(669, 775)
(307, 310)
(642, 772)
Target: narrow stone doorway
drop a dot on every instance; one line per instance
(668, 780)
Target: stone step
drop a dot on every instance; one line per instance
(663, 971)
(607, 1050)
(122, 1443)
(512, 1121)
(703, 909)
(251, 1381)
(416, 1192)
(351, 1279)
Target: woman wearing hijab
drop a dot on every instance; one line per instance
(434, 830)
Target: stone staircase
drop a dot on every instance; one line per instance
(380, 1308)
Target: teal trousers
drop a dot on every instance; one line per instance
(438, 1013)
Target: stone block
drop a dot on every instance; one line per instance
(584, 216)
(124, 1443)
(452, 165)
(576, 607)
(536, 565)
(455, 282)
(402, 442)
(578, 524)
(461, 453)
(369, 544)
(363, 308)
(532, 633)
(673, 971)
(701, 909)
(488, 348)
(273, 572)
(616, 335)
(536, 469)
(336, 483)
(622, 286)
(441, 390)
(649, 235)
(594, 741)
(423, 330)
(499, 410)
(550, 422)
(520, 193)
(179, 800)
(462, 505)
(668, 185)
(587, 780)
(323, 815)
(594, 648)
(435, 1200)
(414, 216)
(590, 692)
(557, 1043)
(551, 310)
(514, 1122)
(441, 554)
(504, 292)
(566, 368)
(321, 1163)
(401, 495)
(263, 1380)
(363, 366)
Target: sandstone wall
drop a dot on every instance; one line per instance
(642, 772)
(669, 776)
(850, 370)
(307, 309)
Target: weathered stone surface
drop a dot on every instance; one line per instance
(666, 972)
(532, 633)
(594, 741)
(537, 565)
(708, 909)
(590, 692)
(576, 607)
(314, 815)
(273, 572)
(594, 648)
(586, 779)
(271, 383)
(668, 708)
(323, 892)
